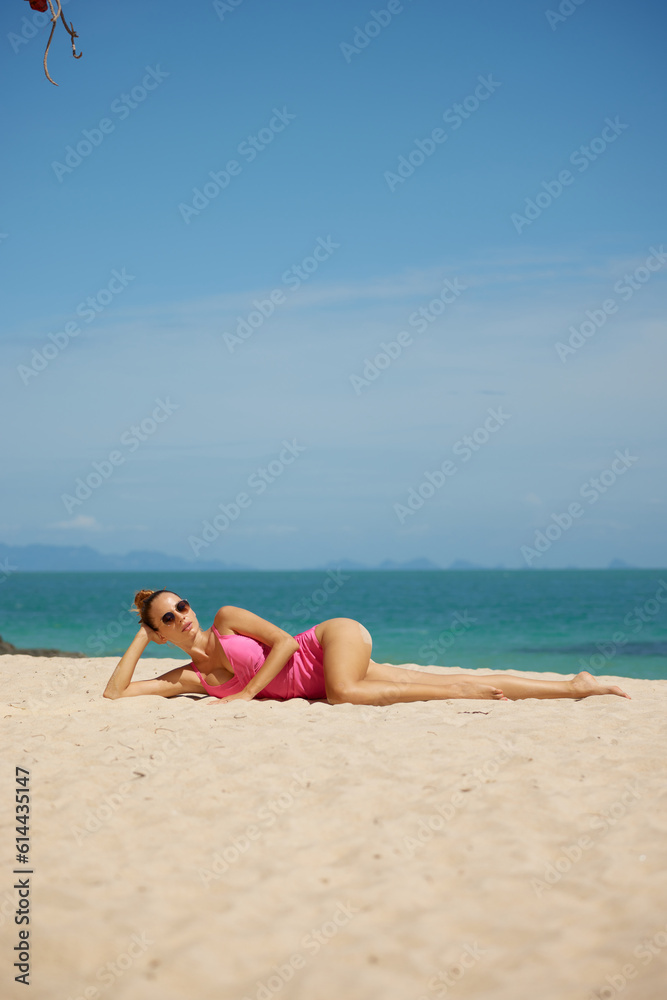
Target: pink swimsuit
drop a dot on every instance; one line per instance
(301, 677)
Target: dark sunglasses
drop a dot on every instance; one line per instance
(169, 618)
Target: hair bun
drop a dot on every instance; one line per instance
(140, 599)
(142, 605)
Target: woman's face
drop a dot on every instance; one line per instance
(181, 625)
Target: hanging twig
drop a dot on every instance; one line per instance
(54, 19)
(55, 14)
(72, 34)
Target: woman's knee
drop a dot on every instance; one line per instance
(340, 694)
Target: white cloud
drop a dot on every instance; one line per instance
(81, 522)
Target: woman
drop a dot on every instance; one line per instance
(243, 656)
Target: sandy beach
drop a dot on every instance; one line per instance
(186, 850)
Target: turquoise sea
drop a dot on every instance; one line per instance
(605, 621)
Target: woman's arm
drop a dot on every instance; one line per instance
(122, 675)
(121, 685)
(167, 685)
(283, 645)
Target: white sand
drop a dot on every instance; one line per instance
(268, 849)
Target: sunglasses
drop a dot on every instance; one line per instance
(169, 618)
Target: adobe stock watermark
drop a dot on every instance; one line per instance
(591, 490)
(130, 439)
(112, 971)
(122, 107)
(8, 909)
(445, 811)
(363, 36)
(105, 637)
(625, 288)
(307, 607)
(258, 482)
(31, 26)
(6, 570)
(582, 157)
(645, 952)
(88, 310)
(464, 448)
(572, 854)
(419, 320)
(311, 943)
(461, 622)
(440, 984)
(223, 7)
(454, 116)
(70, 674)
(240, 844)
(565, 10)
(249, 149)
(292, 278)
(98, 816)
(635, 621)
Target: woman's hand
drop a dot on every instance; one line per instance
(150, 635)
(240, 696)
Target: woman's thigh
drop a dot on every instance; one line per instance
(403, 675)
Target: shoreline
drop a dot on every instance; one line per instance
(9, 649)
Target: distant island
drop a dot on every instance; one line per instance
(84, 559)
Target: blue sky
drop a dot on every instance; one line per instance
(470, 194)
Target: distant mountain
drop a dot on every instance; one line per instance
(84, 559)
(81, 558)
(386, 564)
(420, 563)
(342, 564)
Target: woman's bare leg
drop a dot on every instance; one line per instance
(347, 648)
(513, 687)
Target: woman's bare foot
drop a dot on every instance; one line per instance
(584, 684)
(475, 689)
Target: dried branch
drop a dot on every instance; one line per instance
(55, 14)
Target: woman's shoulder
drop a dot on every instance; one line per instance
(236, 618)
(230, 609)
(224, 613)
(222, 622)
